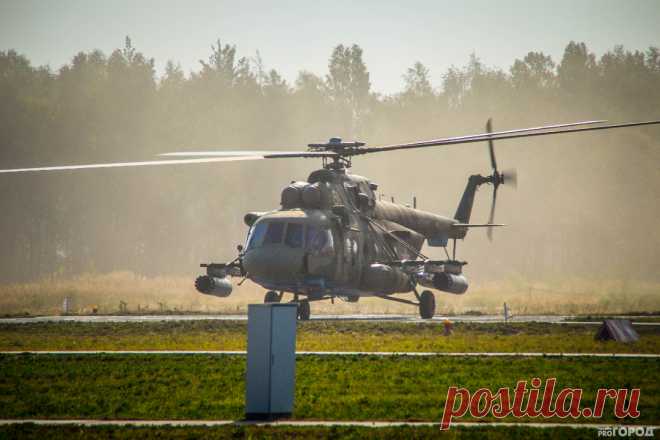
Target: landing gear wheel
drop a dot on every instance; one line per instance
(271, 297)
(427, 305)
(303, 310)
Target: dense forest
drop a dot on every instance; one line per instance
(588, 204)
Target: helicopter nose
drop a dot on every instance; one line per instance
(274, 263)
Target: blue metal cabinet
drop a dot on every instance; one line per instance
(271, 360)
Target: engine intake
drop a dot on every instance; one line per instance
(214, 286)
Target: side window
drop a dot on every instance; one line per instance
(274, 233)
(294, 235)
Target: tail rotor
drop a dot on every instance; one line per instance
(508, 177)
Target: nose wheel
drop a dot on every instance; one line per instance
(272, 297)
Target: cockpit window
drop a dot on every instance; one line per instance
(294, 235)
(319, 240)
(265, 233)
(274, 233)
(257, 235)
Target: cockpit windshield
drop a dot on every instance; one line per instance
(266, 233)
(274, 233)
(292, 234)
(256, 236)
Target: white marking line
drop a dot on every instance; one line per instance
(334, 353)
(362, 423)
(600, 323)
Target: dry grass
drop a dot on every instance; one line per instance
(564, 296)
(177, 294)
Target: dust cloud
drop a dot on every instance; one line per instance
(587, 205)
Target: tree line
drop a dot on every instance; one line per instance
(115, 107)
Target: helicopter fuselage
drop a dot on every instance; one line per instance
(333, 238)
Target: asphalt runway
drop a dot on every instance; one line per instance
(413, 319)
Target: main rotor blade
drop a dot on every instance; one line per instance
(499, 136)
(132, 164)
(483, 136)
(264, 154)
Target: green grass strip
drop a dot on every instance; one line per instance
(322, 336)
(331, 388)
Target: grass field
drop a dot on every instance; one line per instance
(103, 292)
(332, 388)
(329, 388)
(233, 432)
(321, 336)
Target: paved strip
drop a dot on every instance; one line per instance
(411, 319)
(334, 353)
(199, 317)
(363, 423)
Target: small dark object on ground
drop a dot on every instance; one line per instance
(620, 330)
(508, 330)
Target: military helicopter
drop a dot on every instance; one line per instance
(333, 238)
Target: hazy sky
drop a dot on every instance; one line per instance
(296, 35)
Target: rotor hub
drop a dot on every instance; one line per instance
(336, 145)
(343, 152)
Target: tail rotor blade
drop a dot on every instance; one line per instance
(510, 177)
(491, 148)
(491, 218)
